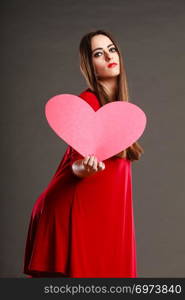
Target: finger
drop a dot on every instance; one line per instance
(85, 161)
(101, 165)
(95, 164)
(91, 160)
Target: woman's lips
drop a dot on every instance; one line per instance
(112, 65)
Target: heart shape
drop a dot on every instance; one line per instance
(105, 132)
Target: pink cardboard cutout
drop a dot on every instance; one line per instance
(112, 128)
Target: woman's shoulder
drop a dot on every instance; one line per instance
(88, 91)
(90, 97)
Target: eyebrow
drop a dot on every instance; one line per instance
(101, 48)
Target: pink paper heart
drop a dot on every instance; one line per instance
(104, 133)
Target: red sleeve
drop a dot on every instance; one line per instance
(69, 157)
(91, 99)
(74, 155)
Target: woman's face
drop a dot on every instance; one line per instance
(106, 54)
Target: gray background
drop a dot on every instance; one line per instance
(39, 59)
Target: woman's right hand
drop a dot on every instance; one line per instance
(92, 165)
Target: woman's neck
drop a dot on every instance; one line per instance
(110, 86)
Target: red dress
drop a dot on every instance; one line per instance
(84, 227)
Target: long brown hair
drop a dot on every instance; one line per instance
(134, 151)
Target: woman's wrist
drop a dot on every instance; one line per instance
(78, 169)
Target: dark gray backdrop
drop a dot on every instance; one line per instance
(39, 59)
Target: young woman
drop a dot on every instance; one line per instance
(82, 224)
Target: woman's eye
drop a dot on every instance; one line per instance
(96, 54)
(113, 48)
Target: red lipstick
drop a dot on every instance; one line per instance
(112, 65)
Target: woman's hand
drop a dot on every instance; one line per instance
(92, 165)
(87, 166)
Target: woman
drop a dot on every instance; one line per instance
(82, 225)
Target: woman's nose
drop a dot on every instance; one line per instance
(107, 56)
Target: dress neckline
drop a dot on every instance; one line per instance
(89, 90)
